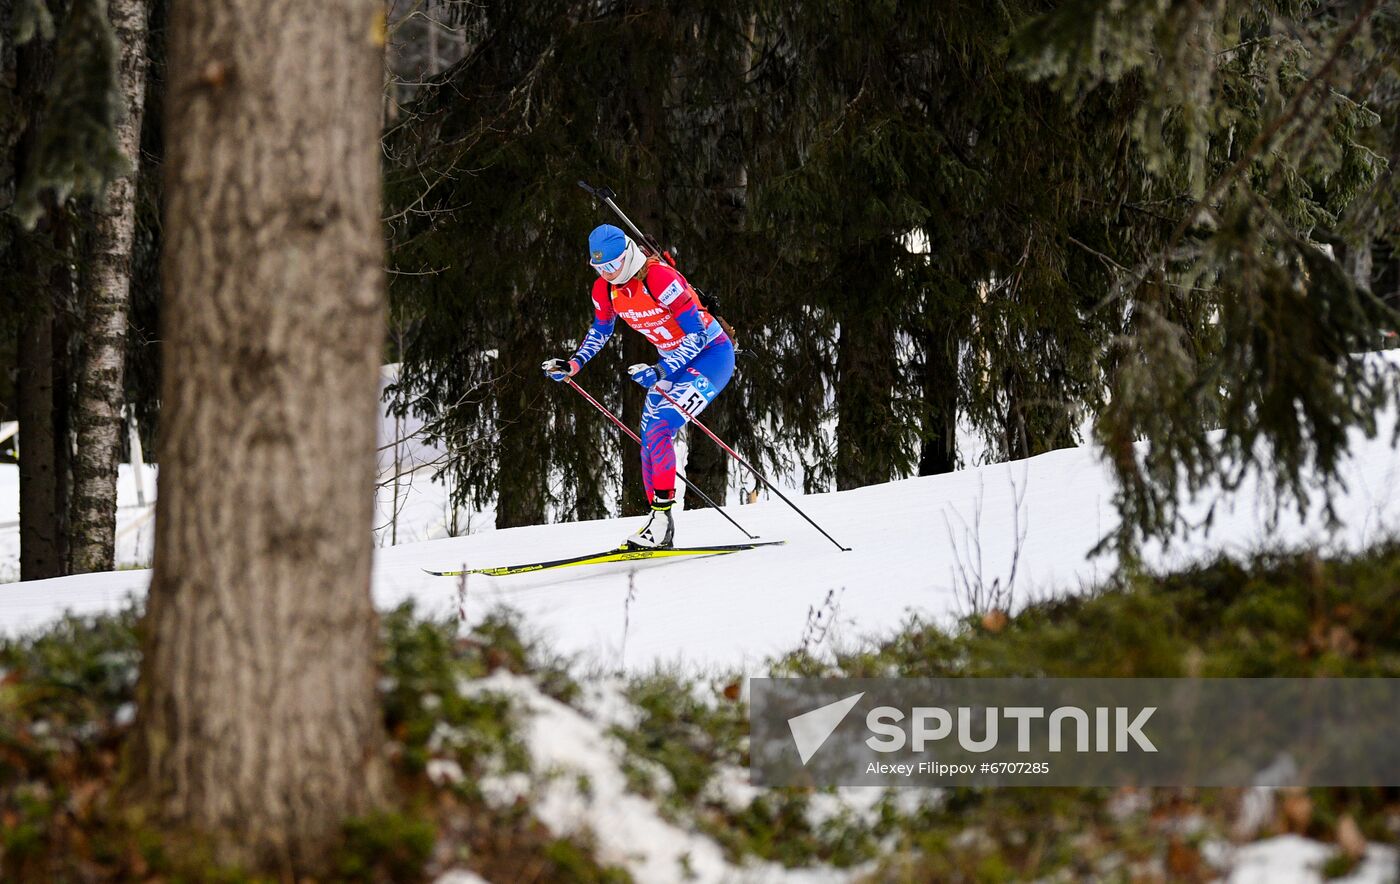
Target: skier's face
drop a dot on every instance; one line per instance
(611, 270)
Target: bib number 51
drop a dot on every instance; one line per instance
(691, 400)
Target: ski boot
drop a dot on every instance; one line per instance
(660, 529)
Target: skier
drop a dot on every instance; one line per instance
(696, 358)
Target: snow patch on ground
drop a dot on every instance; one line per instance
(135, 518)
(917, 546)
(1292, 859)
(580, 788)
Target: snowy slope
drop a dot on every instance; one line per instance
(912, 541)
(409, 505)
(135, 525)
(916, 545)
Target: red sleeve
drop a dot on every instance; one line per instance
(670, 289)
(602, 302)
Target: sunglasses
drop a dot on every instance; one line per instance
(609, 266)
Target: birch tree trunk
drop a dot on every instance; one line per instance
(258, 724)
(97, 417)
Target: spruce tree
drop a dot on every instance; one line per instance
(917, 214)
(1246, 344)
(488, 236)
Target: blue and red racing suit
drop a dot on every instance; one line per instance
(696, 356)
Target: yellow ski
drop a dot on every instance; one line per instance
(623, 553)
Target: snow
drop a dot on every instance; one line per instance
(135, 526)
(409, 505)
(1292, 859)
(582, 790)
(918, 547)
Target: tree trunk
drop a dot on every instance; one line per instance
(1016, 438)
(41, 554)
(521, 485)
(44, 407)
(867, 435)
(864, 391)
(523, 471)
(938, 453)
(97, 413)
(26, 70)
(258, 725)
(62, 287)
(706, 464)
(1359, 264)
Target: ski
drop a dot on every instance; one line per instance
(622, 553)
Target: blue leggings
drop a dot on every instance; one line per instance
(694, 387)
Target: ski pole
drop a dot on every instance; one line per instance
(734, 454)
(635, 438)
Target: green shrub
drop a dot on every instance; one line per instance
(386, 847)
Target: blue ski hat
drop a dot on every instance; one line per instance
(606, 244)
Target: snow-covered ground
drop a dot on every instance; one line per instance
(916, 545)
(135, 522)
(1292, 859)
(626, 828)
